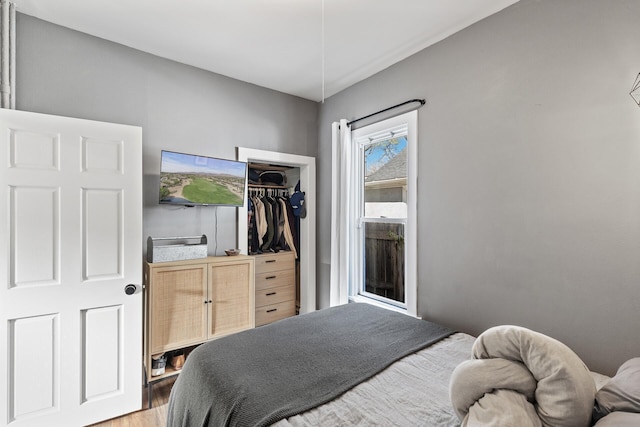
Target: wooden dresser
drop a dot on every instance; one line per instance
(194, 301)
(275, 283)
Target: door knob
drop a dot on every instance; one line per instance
(130, 289)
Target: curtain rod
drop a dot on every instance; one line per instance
(421, 101)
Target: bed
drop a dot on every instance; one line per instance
(350, 365)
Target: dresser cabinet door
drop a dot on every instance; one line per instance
(231, 297)
(177, 307)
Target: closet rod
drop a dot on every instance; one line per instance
(421, 101)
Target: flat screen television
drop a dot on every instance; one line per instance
(193, 180)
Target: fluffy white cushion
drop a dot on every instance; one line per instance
(621, 393)
(565, 391)
(474, 379)
(519, 412)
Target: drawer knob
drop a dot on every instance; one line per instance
(271, 293)
(269, 261)
(269, 277)
(272, 310)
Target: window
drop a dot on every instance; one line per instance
(384, 213)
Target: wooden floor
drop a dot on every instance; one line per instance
(156, 416)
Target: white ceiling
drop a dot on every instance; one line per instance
(277, 44)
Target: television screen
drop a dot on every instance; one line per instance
(187, 179)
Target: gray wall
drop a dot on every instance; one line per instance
(529, 180)
(180, 108)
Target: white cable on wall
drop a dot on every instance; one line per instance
(7, 54)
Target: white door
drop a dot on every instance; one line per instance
(70, 241)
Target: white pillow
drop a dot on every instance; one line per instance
(621, 393)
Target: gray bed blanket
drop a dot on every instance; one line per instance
(260, 376)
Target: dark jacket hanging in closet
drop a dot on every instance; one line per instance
(282, 227)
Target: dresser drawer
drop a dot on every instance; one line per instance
(275, 295)
(274, 262)
(275, 279)
(271, 313)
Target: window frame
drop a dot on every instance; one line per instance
(376, 130)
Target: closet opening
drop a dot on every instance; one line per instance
(273, 180)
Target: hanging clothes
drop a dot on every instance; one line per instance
(287, 231)
(261, 222)
(268, 237)
(251, 227)
(273, 225)
(294, 223)
(279, 241)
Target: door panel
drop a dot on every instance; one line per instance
(33, 361)
(102, 155)
(35, 236)
(72, 239)
(102, 352)
(102, 233)
(33, 150)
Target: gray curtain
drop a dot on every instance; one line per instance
(7, 54)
